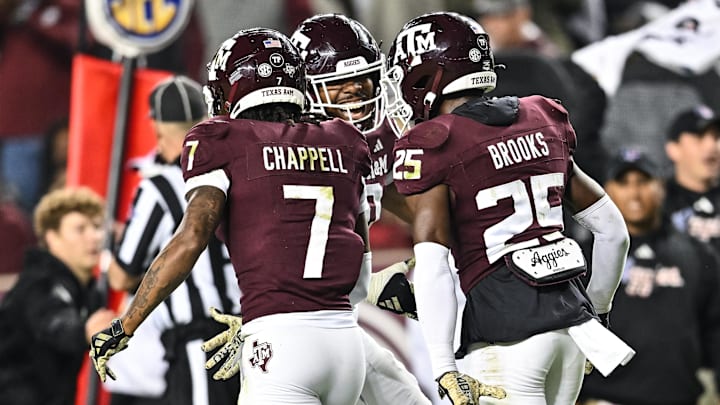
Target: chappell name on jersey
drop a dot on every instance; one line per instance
(517, 150)
(303, 158)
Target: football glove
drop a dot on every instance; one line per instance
(390, 289)
(462, 389)
(105, 344)
(231, 349)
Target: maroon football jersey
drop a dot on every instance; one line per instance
(293, 200)
(507, 181)
(381, 142)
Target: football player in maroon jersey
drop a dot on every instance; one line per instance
(344, 68)
(288, 198)
(486, 178)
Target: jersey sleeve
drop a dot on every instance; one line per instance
(207, 148)
(420, 159)
(564, 117)
(557, 112)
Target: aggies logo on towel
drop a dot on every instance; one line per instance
(262, 353)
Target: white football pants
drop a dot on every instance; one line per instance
(387, 381)
(547, 368)
(308, 358)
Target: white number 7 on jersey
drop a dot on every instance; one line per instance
(324, 201)
(191, 155)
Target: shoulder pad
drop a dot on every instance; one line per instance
(557, 104)
(429, 134)
(550, 106)
(210, 128)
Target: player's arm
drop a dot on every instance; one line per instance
(395, 202)
(434, 287)
(174, 263)
(596, 212)
(360, 291)
(435, 294)
(170, 268)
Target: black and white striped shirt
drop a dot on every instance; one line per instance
(155, 214)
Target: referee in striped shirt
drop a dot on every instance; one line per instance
(168, 364)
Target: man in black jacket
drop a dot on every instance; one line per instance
(667, 306)
(44, 318)
(693, 198)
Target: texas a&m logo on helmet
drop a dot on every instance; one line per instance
(434, 55)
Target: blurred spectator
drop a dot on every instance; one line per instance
(693, 201)
(38, 39)
(667, 306)
(44, 318)
(510, 26)
(169, 341)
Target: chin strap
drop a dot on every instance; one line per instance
(432, 94)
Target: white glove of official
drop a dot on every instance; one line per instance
(231, 349)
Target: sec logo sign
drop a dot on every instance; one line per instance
(134, 27)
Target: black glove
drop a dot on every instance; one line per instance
(462, 389)
(105, 344)
(391, 290)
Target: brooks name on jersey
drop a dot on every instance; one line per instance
(520, 149)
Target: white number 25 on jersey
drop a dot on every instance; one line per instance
(406, 158)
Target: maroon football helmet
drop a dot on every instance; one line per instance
(254, 67)
(434, 55)
(337, 49)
